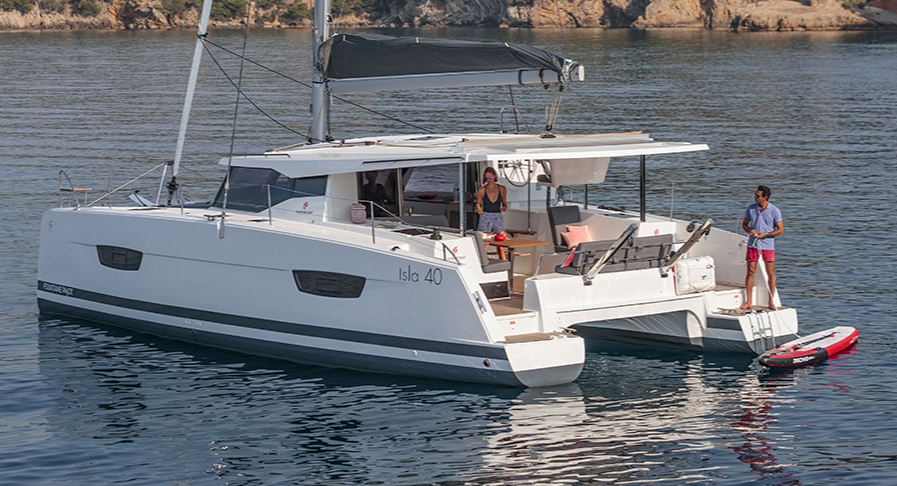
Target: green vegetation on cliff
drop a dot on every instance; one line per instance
(84, 8)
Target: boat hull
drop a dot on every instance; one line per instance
(812, 349)
(688, 330)
(645, 308)
(214, 292)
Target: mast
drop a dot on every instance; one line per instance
(320, 103)
(188, 100)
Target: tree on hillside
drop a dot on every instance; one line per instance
(85, 8)
(23, 6)
(228, 9)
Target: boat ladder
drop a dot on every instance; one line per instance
(762, 330)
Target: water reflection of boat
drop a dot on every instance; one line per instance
(172, 409)
(649, 405)
(136, 406)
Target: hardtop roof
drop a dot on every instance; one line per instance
(376, 153)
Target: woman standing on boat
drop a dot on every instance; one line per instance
(492, 200)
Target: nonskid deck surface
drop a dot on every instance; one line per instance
(508, 305)
(532, 337)
(514, 303)
(737, 311)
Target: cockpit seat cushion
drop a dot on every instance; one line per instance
(573, 237)
(576, 235)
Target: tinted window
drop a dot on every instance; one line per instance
(249, 188)
(119, 258)
(329, 284)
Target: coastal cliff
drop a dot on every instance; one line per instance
(736, 15)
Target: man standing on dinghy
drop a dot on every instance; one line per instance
(763, 222)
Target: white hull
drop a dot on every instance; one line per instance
(239, 293)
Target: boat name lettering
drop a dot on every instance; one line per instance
(802, 359)
(432, 276)
(57, 289)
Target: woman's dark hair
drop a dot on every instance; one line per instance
(489, 170)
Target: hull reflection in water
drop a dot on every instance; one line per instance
(177, 413)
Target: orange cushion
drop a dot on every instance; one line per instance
(569, 260)
(573, 237)
(576, 235)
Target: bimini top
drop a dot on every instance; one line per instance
(370, 55)
(376, 153)
(371, 62)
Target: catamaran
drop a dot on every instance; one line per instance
(291, 260)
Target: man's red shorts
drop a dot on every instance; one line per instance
(753, 255)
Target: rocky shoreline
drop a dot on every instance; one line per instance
(735, 15)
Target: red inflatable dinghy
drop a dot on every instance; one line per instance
(811, 349)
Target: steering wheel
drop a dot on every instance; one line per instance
(518, 173)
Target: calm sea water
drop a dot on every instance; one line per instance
(813, 115)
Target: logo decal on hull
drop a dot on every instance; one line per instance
(57, 289)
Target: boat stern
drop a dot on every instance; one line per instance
(754, 332)
(546, 359)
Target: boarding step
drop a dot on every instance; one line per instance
(731, 319)
(738, 311)
(533, 337)
(524, 322)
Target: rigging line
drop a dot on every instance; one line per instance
(256, 63)
(514, 107)
(518, 116)
(553, 110)
(384, 115)
(340, 13)
(304, 84)
(245, 96)
(557, 7)
(233, 134)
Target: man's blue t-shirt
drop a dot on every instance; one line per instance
(764, 222)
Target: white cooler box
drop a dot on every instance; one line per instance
(695, 275)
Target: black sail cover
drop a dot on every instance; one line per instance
(363, 55)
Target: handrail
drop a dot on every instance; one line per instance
(71, 188)
(689, 243)
(445, 249)
(627, 233)
(372, 204)
(63, 174)
(517, 114)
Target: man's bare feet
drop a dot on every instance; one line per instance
(745, 307)
(772, 306)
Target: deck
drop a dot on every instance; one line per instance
(514, 304)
